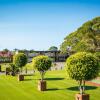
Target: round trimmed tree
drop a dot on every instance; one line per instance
(20, 60)
(42, 64)
(82, 66)
(13, 68)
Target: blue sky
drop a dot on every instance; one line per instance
(39, 24)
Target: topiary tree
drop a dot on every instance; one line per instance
(42, 64)
(82, 66)
(13, 68)
(19, 60)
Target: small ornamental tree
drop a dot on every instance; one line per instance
(82, 66)
(13, 68)
(19, 60)
(42, 64)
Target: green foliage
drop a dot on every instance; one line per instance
(85, 38)
(5, 50)
(13, 68)
(53, 48)
(19, 60)
(42, 63)
(97, 54)
(29, 66)
(82, 66)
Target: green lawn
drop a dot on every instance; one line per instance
(59, 88)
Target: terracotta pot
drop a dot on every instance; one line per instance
(42, 85)
(20, 77)
(82, 96)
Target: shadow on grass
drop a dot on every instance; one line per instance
(52, 89)
(76, 88)
(51, 79)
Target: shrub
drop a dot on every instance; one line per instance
(13, 68)
(82, 66)
(42, 64)
(20, 60)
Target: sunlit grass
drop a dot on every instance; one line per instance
(59, 87)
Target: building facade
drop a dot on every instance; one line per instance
(56, 56)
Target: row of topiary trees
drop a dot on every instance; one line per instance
(81, 66)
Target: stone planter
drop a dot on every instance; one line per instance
(42, 85)
(82, 97)
(20, 77)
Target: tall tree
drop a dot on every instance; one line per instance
(85, 38)
(53, 48)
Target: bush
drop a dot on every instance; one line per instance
(13, 68)
(20, 60)
(82, 66)
(42, 64)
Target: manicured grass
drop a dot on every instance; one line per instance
(59, 87)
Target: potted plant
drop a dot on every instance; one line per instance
(20, 60)
(82, 66)
(42, 64)
(7, 70)
(13, 69)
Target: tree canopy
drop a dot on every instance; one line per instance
(53, 48)
(82, 66)
(85, 38)
(19, 60)
(42, 64)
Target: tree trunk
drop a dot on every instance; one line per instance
(42, 75)
(82, 86)
(42, 83)
(26, 70)
(20, 70)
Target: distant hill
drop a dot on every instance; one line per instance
(85, 38)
